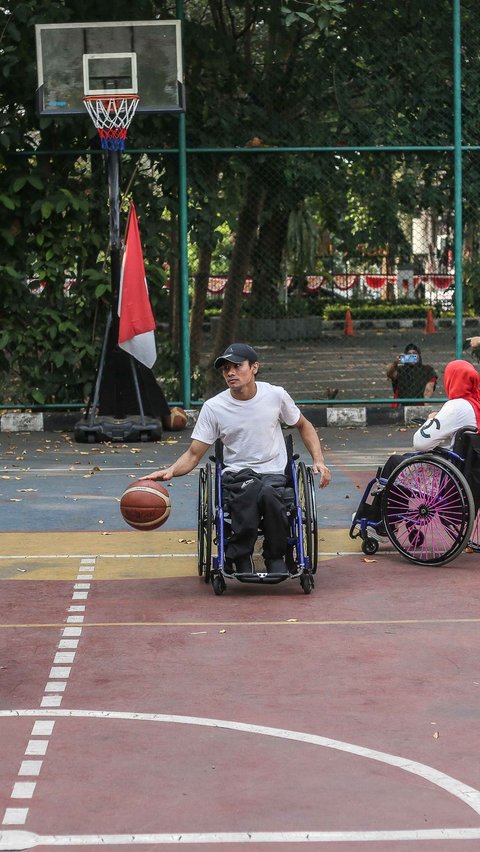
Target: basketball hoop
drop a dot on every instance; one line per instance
(112, 116)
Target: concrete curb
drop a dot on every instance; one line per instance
(319, 415)
(55, 421)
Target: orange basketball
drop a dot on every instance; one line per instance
(145, 504)
(176, 420)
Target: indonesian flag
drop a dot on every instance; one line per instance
(137, 324)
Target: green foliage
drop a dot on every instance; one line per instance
(380, 310)
(55, 220)
(167, 373)
(321, 73)
(471, 282)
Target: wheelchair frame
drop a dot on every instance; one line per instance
(302, 547)
(427, 506)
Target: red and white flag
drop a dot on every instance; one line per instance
(137, 323)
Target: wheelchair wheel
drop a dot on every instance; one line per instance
(306, 500)
(369, 546)
(311, 480)
(306, 582)
(474, 540)
(428, 510)
(219, 584)
(205, 522)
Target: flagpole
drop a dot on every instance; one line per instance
(113, 172)
(93, 404)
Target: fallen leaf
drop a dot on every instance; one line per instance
(369, 560)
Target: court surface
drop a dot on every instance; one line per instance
(137, 709)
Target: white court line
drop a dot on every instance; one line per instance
(17, 840)
(469, 795)
(171, 555)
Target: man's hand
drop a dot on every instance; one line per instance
(325, 475)
(162, 475)
(474, 342)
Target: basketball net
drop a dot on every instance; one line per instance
(112, 116)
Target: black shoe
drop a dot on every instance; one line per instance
(276, 566)
(242, 565)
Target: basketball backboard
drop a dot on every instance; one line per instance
(114, 57)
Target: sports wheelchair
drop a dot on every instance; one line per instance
(428, 504)
(214, 524)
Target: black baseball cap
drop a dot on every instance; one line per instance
(236, 353)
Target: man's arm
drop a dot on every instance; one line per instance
(312, 443)
(429, 388)
(392, 371)
(184, 464)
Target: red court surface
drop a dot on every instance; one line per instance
(138, 709)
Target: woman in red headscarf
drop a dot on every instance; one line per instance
(461, 381)
(462, 410)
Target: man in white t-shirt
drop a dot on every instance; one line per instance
(247, 418)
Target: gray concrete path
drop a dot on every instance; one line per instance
(355, 365)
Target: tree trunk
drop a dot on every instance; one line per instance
(199, 303)
(267, 263)
(174, 301)
(239, 268)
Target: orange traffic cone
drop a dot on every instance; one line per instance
(348, 327)
(429, 325)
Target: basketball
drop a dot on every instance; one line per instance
(176, 420)
(145, 504)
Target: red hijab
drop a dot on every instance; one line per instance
(461, 381)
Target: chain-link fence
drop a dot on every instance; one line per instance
(322, 207)
(301, 238)
(346, 256)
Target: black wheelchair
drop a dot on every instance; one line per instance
(214, 526)
(429, 504)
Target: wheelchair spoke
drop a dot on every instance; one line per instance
(428, 510)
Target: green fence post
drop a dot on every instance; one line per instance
(457, 160)
(183, 224)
